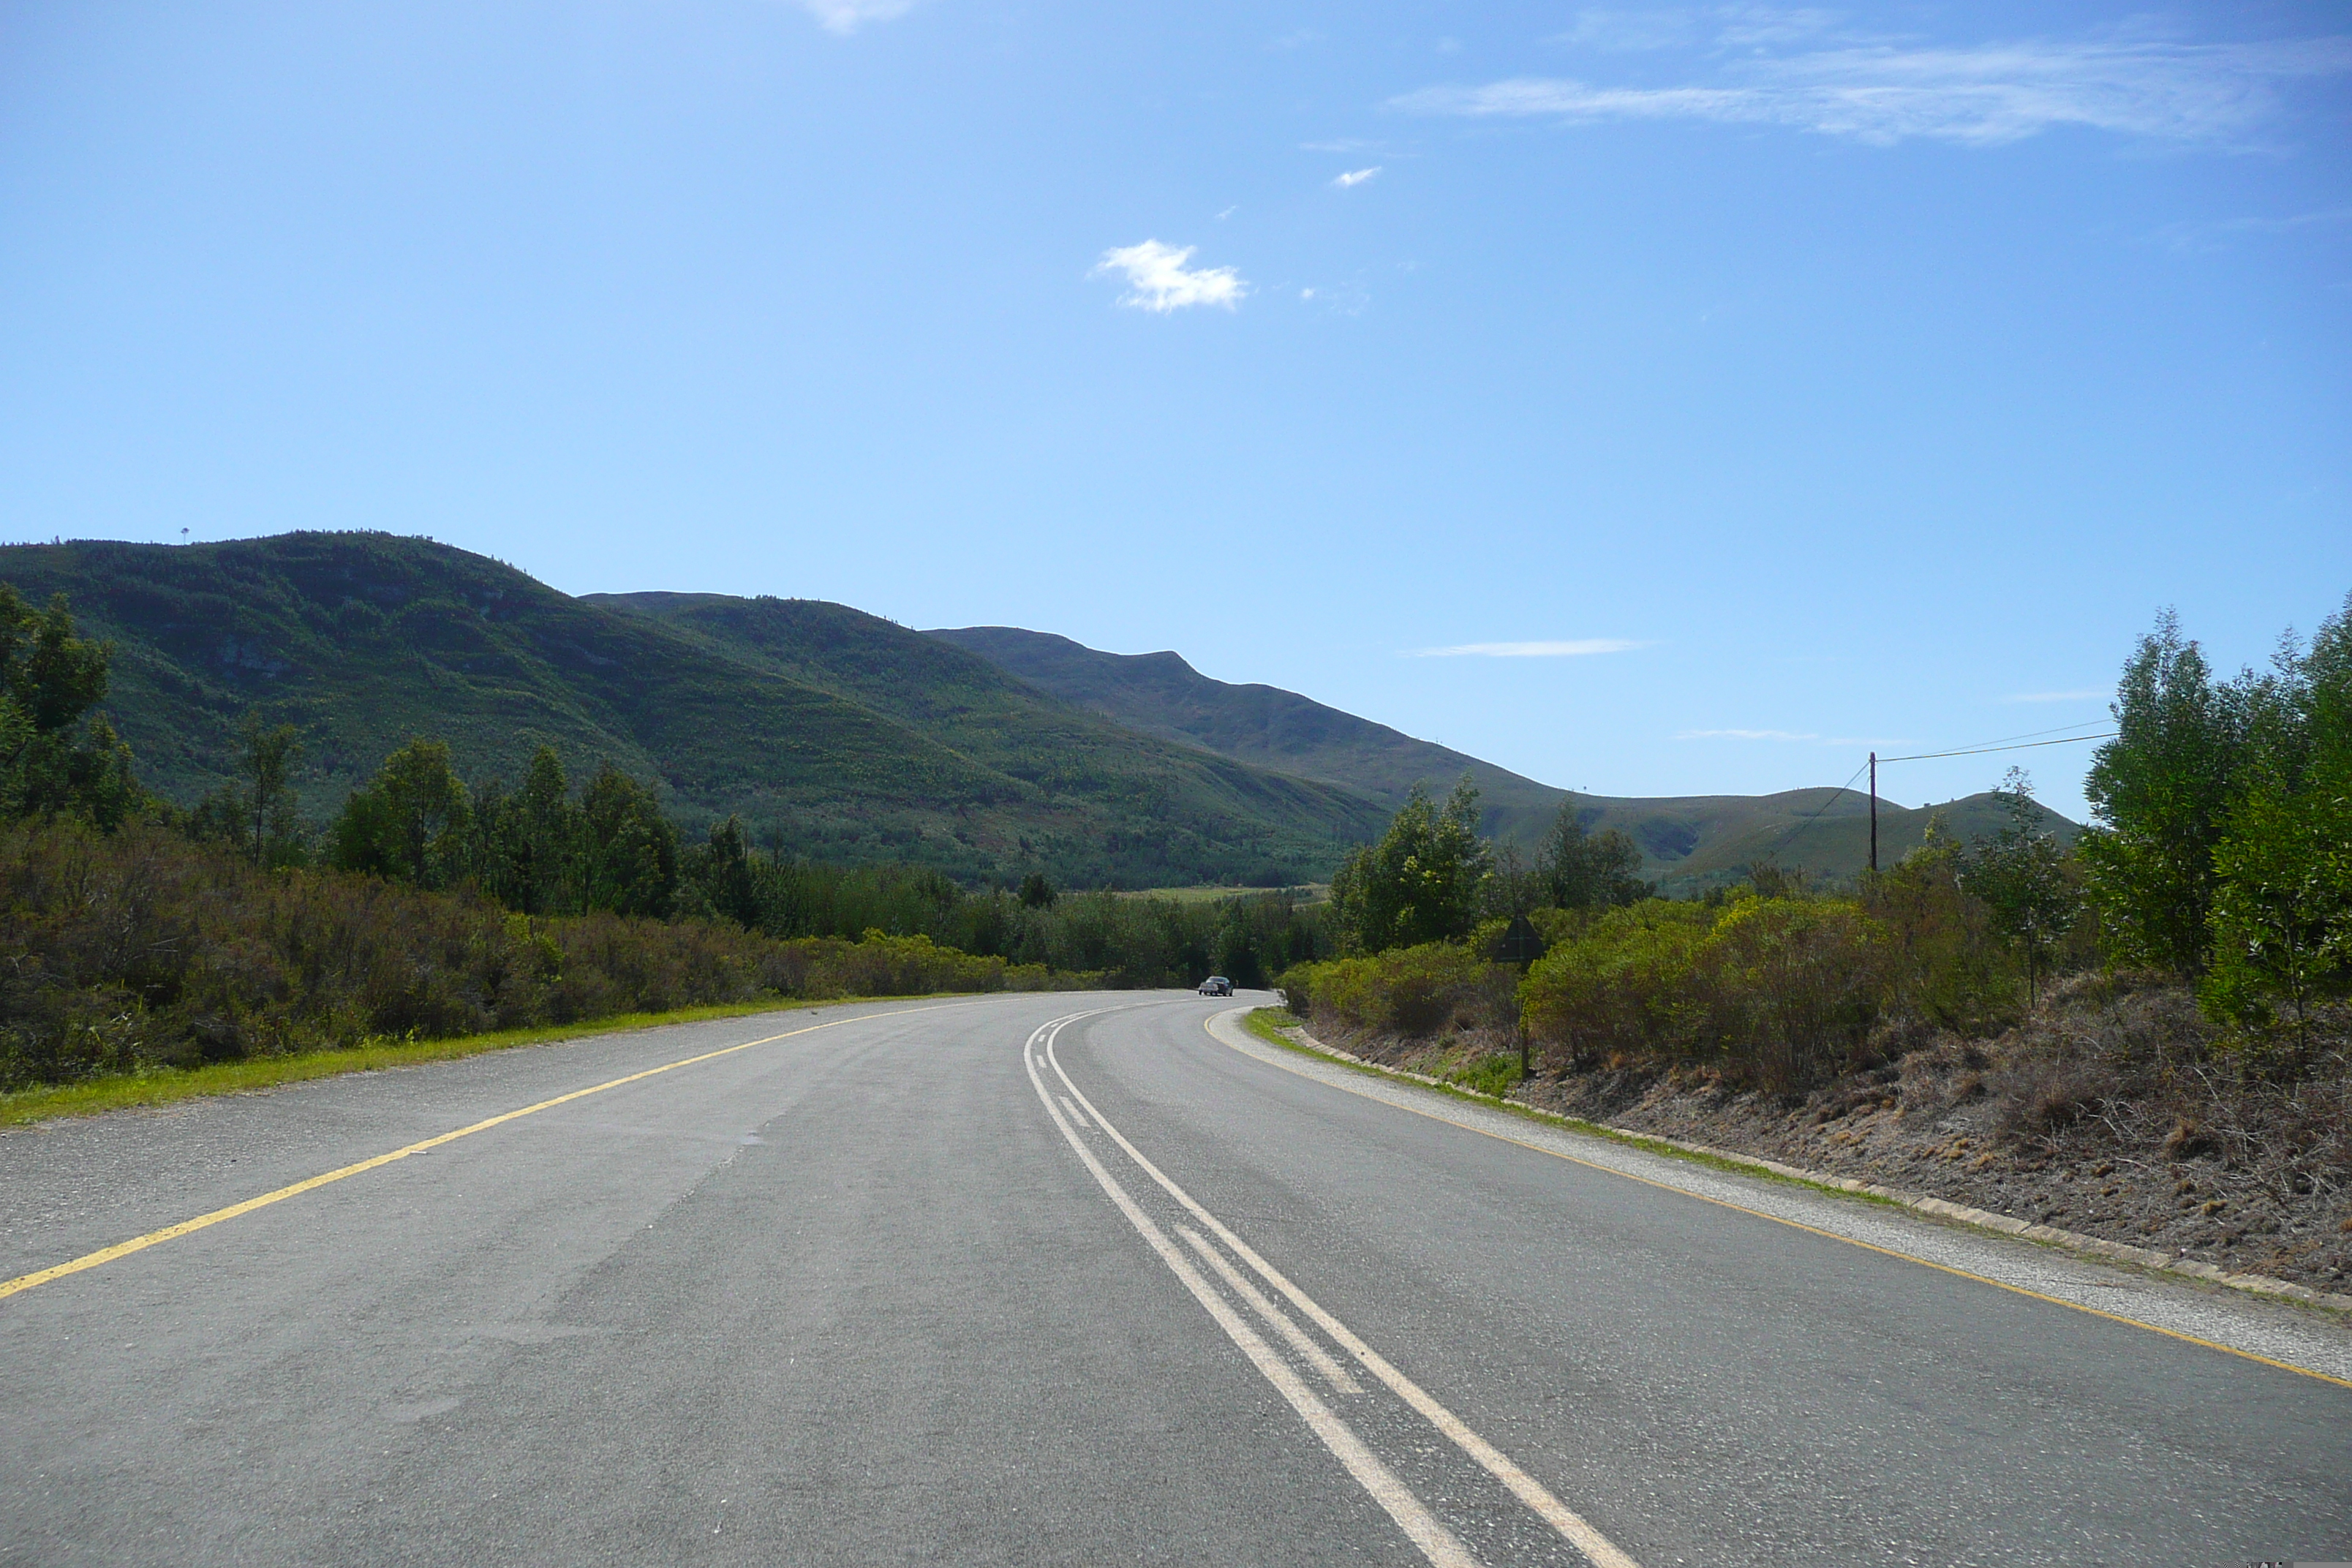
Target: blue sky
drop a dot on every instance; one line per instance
(1746, 385)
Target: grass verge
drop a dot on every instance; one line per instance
(1267, 1024)
(163, 1085)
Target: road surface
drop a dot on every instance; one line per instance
(1073, 1279)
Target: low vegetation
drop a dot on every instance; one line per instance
(140, 949)
(141, 939)
(2166, 1005)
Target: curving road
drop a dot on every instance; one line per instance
(1073, 1279)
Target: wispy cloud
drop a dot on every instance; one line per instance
(1733, 27)
(1574, 649)
(1158, 280)
(2217, 234)
(1355, 178)
(2084, 695)
(1981, 95)
(846, 16)
(1596, 28)
(1745, 736)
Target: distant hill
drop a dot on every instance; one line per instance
(988, 752)
(1693, 842)
(1160, 694)
(1686, 841)
(363, 640)
(962, 701)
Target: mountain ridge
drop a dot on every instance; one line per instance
(1686, 841)
(834, 734)
(363, 640)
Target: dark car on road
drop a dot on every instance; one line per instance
(1216, 985)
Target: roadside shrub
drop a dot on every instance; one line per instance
(1791, 987)
(1404, 991)
(141, 948)
(1945, 962)
(1621, 986)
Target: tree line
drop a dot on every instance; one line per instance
(541, 847)
(142, 934)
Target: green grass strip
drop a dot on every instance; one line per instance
(160, 1086)
(1266, 1023)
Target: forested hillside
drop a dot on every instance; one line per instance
(986, 753)
(1160, 694)
(362, 641)
(1688, 842)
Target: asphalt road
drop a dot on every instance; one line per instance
(949, 1282)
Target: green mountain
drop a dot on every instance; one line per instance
(1686, 841)
(1160, 694)
(987, 752)
(1693, 842)
(842, 737)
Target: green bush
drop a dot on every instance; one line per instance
(1619, 986)
(1779, 992)
(1789, 988)
(1405, 991)
(141, 948)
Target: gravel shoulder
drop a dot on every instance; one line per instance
(2302, 1337)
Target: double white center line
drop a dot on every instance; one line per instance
(1436, 1543)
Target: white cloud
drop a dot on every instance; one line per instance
(846, 16)
(1753, 27)
(1669, 27)
(2086, 695)
(1158, 280)
(1983, 95)
(1355, 178)
(1530, 649)
(1744, 735)
(2218, 234)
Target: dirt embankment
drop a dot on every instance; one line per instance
(2114, 1112)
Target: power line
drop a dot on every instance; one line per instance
(1832, 800)
(2029, 734)
(1979, 750)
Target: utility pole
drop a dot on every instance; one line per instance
(1874, 814)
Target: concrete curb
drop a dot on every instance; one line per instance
(2008, 1225)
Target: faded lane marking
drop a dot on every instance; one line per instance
(1421, 1527)
(1759, 1213)
(1300, 1340)
(203, 1221)
(1580, 1532)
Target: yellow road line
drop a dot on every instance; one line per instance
(203, 1221)
(1793, 1224)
